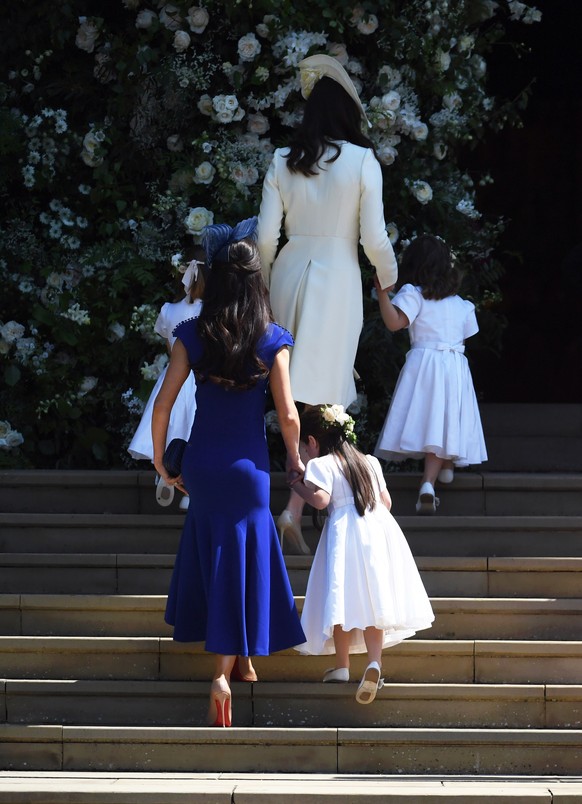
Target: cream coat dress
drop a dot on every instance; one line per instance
(314, 281)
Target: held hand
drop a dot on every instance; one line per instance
(379, 288)
(295, 468)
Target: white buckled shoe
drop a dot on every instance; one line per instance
(370, 684)
(336, 675)
(427, 500)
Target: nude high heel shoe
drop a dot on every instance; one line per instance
(288, 528)
(220, 700)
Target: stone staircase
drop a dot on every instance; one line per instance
(98, 704)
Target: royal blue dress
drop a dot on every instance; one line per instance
(230, 587)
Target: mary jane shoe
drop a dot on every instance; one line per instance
(370, 684)
(446, 476)
(427, 500)
(336, 675)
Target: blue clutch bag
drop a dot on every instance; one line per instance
(173, 455)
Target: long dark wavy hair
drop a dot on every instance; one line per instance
(235, 315)
(330, 115)
(354, 465)
(428, 262)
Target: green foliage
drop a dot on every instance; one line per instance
(124, 130)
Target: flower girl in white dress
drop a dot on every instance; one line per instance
(182, 417)
(434, 412)
(364, 591)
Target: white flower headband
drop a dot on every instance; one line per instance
(336, 415)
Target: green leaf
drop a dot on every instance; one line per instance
(12, 375)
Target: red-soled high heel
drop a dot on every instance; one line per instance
(237, 675)
(220, 696)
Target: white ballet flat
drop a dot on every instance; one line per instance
(370, 684)
(164, 493)
(427, 500)
(337, 675)
(184, 502)
(446, 476)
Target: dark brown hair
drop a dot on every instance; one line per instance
(235, 316)
(330, 115)
(354, 465)
(428, 262)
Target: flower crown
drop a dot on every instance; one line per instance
(333, 415)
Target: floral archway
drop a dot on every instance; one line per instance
(126, 126)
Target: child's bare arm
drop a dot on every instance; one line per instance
(386, 498)
(318, 498)
(391, 315)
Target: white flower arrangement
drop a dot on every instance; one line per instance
(335, 415)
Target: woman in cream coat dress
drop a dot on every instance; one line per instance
(327, 188)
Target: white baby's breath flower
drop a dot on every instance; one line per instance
(249, 47)
(115, 332)
(443, 60)
(197, 19)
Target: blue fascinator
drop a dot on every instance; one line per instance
(217, 238)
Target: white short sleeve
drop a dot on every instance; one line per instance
(162, 325)
(409, 300)
(470, 325)
(377, 469)
(319, 474)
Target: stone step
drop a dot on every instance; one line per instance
(472, 493)
(559, 536)
(143, 615)
(528, 752)
(133, 574)
(238, 788)
(296, 704)
(413, 661)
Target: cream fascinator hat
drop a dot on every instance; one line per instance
(315, 67)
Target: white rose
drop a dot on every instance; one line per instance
(422, 191)
(87, 33)
(197, 19)
(90, 141)
(328, 414)
(175, 143)
(479, 65)
(393, 235)
(239, 114)
(339, 52)
(387, 154)
(391, 100)
(249, 47)
(419, 131)
(181, 41)
(145, 18)
(466, 43)
(262, 30)
(87, 385)
(224, 116)
(205, 105)
(219, 103)
(12, 331)
(369, 25)
(170, 17)
(198, 218)
(116, 332)
(230, 103)
(204, 173)
(257, 123)
(13, 439)
(452, 100)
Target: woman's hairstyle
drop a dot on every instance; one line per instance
(333, 439)
(235, 316)
(428, 262)
(330, 115)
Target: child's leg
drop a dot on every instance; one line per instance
(341, 640)
(373, 637)
(432, 466)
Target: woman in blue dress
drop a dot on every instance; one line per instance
(230, 587)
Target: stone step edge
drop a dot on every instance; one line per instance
(410, 647)
(166, 560)
(237, 788)
(304, 689)
(157, 604)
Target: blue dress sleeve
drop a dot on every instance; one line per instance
(187, 332)
(274, 339)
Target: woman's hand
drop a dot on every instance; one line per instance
(379, 288)
(295, 469)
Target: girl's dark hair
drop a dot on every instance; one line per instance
(235, 315)
(428, 262)
(330, 115)
(353, 464)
